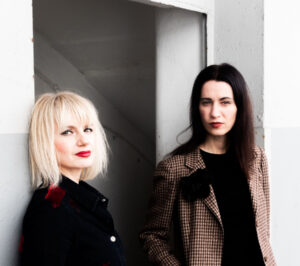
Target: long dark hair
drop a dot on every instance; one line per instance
(241, 136)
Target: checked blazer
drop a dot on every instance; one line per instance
(197, 226)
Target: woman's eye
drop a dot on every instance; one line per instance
(226, 102)
(205, 103)
(67, 132)
(88, 129)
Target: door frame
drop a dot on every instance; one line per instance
(206, 7)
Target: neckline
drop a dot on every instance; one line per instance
(213, 154)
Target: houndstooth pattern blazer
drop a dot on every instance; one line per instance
(197, 225)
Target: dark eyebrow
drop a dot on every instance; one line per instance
(221, 99)
(207, 99)
(226, 98)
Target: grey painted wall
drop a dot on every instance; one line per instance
(14, 194)
(16, 99)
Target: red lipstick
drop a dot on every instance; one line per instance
(216, 124)
(83, 154)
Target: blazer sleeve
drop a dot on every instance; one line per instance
(46, 236)
(266, 186)
(155, 235)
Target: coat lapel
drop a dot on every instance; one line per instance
(194, 161)
(211, 203)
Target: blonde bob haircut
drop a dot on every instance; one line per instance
(48, 113)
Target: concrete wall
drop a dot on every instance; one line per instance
(282, 123)
(180, 56)
(16, 99)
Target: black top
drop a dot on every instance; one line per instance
(69, 225)
(231, 188)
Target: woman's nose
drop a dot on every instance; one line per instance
(82, 139)
(215, 111)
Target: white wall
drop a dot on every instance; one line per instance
(282, 123)
(180, 56)
(16, 98)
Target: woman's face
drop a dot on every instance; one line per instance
(74, 143)
(217, 107)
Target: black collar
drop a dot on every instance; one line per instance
(84, 194)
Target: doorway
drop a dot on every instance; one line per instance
(137, 63)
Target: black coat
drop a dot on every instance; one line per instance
(69, 225)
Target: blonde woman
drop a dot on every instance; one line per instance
(67, 221)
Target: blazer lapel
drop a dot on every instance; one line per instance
(212, 204)
(194, 161)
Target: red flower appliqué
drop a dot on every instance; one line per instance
(55, 195)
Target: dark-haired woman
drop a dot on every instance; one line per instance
(213, 190)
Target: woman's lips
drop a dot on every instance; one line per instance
(83, 153)
(216, 124)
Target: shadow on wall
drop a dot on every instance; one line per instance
(105, 51)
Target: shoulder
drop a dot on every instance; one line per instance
(48, 228)
(50, 196)
(172, 167)
(258, 150)
(260, 161)
(47, 205)
(259, 154)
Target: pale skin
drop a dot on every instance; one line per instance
(71, 139)
(218, 114)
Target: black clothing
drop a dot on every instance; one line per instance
(231, 188)
(69, 225)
